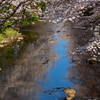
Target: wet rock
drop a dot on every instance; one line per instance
(20, 38)
(79, 27)
(93, 60)
(53, 41)
(54, 90)
(4, 41)
(71, 92)
(46, 61)
(1, 45)
(58, 31)
(96, 33)
(67, 35)
(41, 20)
(33, 23)
(12, 38)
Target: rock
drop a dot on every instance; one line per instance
(1, 45)
(12, 38)
(96, 33)
(70, 19)
(58, 31)
(46, 61)
(93, 60)
(33, 23)
(4, 41)
(71, 92)
(20, 38)
(41, 20)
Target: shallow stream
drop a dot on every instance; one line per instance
(44, 64)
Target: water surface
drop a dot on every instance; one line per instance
(35, 65)
(50, 59)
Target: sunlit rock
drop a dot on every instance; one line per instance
(71, 92)
(93, 60)
(4, 41)
(70, 19)
(1, 46)
(20, 38)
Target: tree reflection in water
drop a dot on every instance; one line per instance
(85, 76)
(20, 80)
